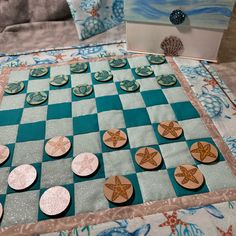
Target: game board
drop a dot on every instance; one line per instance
(25, 129)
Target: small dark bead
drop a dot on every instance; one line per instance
(177, 17)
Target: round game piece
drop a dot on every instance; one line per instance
(103, 76)
(14, 88)
(189, 176)
(59, 80)
(4, 153)
(115, 138)
(79, 67)
(58, 146)
(1, 210)
(39, 72)
(170, 129)
(148, 158)
(22, 177)
(82, 90)
(118, 189)
(37, 98)
(204, 152)
(85, 164)
(156, 59)
(117, 63)
(54, 201)
(129, 85)
(144, 71)
(166, 80)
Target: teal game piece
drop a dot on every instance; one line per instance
(117, 63)
(103, 76)
(36, 98)
(79, 67)
(156, 59)
(14, 88)
(144, 71)
(166, 80)
(59, 80)
(129, 85)
(82, 90)
(39, 72)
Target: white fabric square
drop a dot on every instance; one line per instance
(38, 85)
(34, 114)
(132, 101)
(99, 66)
(59, 96)
(12, 102)
(8, 134)
(164, 69)
(84, 107)
(148, 84)
(105, 89)
(138, 61)
(84, 78)
(60, 70)
(174, 95)
(19, 75)
(120, 75)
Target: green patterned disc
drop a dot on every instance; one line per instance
(38, 72)
(144, 71)
(36, 98)
(79, 67)
(103, 76)
(117, 63)
(59, 80)
(156, 59)
(14, 88)
(166, 80)
(82, 90)
(129, 85)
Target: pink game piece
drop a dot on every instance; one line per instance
(4, 153)
(1, 211)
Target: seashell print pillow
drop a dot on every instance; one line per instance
(93, 17)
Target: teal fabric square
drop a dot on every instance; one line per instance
(70, 211)
(94, 81)
(136, 117)
(99, 173)
(87, 71)
(154, 97)
(108, 103)
(75, 98)
(136, 76)
(27, 105)
(10, 117)
(67, 85)
(180, 191)
(137, 195)
(2, 199)
(21, 92)
(59, 111)
(184, 110)
(8, 162)
(30, 132)
(42, 77)
(85, 124)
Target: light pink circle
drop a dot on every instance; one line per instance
(4, 153)
(22, 177)
(1, 211)
(85, 164)
(54, 201)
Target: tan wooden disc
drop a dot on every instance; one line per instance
(118, 189)
(115, 138)
(148, 158)
(1, 211)
(22, 177)
(58, 146)
(54, 201)
(189, 176)
(4, 153)
(204, 152)
(170, 129)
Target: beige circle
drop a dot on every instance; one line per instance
(22, 177)
(170, 129)
(115, 138)
(4, 153)
(54, 201)
(189, 176)
(1, 210)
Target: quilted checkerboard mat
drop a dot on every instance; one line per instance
(25, 129)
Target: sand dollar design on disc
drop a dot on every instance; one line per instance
(103, 76)
(115, 138)
(54, 201)
(14, 88)
(118, 63)
(85, 164)
(1, 210)
(37, 98)
(129, 85)
(39, 72)
(58, 146)
(4, 153)
(144, 71)
(166, 80)
(204, 152)
(189, 176)
(22, 177)
(118, 189)
(156, 59)
(79, 67)
(148, 158)
(82, 90)
(170, 129)
(59, 80)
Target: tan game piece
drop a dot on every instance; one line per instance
(22, 177)
(148, 158)
(58, 146)
(204, 152)
(115, 138)
(85, 164)
(1, 211)
(170, 129)
(118, 189)
(189, 176)
(54, 201)
(4, 153)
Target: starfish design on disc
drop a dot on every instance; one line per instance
(115, 138)
(170, 128)
(228, 233)
(147, 157)
(85, 164)
(188, 175)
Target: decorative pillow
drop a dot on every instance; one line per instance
(96, 16)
